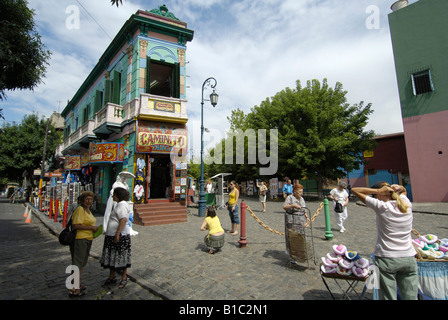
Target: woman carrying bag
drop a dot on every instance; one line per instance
(85, 223)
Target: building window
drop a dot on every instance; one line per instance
(86, 114)
(422, 82)
(163, 79)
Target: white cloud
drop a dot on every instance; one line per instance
(253, 48)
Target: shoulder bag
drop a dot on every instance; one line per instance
(68, 235)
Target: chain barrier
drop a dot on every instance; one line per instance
(282, 233)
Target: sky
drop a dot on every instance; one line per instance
(253, 48)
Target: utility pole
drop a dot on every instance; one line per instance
(42, 169)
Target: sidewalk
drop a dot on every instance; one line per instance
(171, 261)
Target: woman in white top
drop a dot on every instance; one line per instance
(117, 242)
(340, 195)
(394, 252)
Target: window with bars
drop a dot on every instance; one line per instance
(422, 82)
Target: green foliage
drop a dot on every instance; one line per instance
(116, 2)
(21, 146)
(320, 135)
(23, 58)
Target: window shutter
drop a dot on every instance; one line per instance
(108, 91)
(116, 88)
(98, 100)
(176, 80)
(148, 75)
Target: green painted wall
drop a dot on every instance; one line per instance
(420, 41)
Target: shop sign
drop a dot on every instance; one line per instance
(368, 154)
(53, 174)
(72, 162)
(106, 152)
(159, 139)
(85, 159)
(164, 106)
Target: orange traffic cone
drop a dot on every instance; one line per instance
(26, 212)
(28, 218)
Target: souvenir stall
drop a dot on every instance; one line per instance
(160, 162)
(346, 269)
(432, 262)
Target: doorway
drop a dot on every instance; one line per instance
(160, 177)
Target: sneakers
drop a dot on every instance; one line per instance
(342, 229)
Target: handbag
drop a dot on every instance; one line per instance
(338, 208)
(68, 235)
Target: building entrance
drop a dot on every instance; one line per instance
(161, 168)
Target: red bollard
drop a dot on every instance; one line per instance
(50, 210)
(56, 211)
(243, 239)
(64, 218)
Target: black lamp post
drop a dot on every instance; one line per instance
(214, 102)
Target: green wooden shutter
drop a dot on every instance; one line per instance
(97, 103)
(116, 87)
(176, 81)
(148, 75)
(108, 91)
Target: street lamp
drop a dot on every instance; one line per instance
(214, 102)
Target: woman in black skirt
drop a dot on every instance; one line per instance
(117, 242)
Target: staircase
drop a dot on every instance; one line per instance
(157, 213)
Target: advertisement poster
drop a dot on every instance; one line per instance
(106, 152)
(72, 163)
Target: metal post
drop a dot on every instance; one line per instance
(243, 240)
(64, 217)
(202, 202)
(56, 211)
(42, 169)
(328, 233)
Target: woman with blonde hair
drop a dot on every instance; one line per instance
(232, 206)
(394, 252)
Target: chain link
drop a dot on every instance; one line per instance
(282, 233)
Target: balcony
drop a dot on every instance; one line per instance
(78, 139)
(109, 120)
(112, 118)
(162, 109)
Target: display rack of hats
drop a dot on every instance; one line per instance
(345, 262)
(430, 247)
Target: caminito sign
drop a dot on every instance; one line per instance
(160, 139)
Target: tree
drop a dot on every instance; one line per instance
(320, 135)
(21, 146)
(116, 2)
(23, 57)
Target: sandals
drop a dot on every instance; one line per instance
(76, 293)
(123, 283)
(109, 282)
